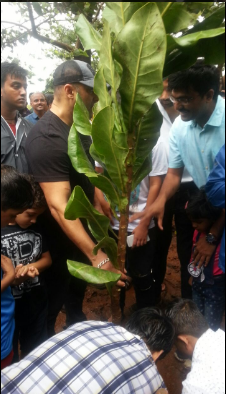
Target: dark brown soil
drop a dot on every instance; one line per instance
(97, 307)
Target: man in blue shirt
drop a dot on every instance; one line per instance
(195, 139)
(39, 105)
(215, 190)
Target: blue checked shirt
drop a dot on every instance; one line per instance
(196, 148)
(87, 358)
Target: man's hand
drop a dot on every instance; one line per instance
(124, 281)
(203, 252)
(8, 272)
(140, 235)
(155, 210)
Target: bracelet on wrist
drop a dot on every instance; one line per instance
(103, 263)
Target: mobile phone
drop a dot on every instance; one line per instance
(130, 240)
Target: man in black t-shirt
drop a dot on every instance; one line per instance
(46, 151)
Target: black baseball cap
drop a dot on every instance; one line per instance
(74, 71)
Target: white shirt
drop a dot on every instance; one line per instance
(207, 375)
(165, 132)
(139, 196)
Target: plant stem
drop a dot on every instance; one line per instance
(123, 226)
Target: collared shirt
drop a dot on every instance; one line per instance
(164, 135)
(196, 147)
(87, 358)
(33, 118)
(207, 375)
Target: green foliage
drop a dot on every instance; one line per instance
(91, 274)
(136, 47)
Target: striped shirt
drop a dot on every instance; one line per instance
(87, 358)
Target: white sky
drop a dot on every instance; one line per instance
(32, 53)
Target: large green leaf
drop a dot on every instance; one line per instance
(142, 172)
(140, 48)
(101, 91)
(113, 156)
(77, 154)
(147, 135)
(119, 13)
(89, 37)
(79, 206)
(91, 274)
(211, 22)
(182, 52)
(81, 117)
(175, 16)
(106, 60)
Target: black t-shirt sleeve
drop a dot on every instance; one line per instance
(48, 159)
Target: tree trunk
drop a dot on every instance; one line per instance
(122, 241)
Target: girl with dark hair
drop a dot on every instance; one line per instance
(208, 284)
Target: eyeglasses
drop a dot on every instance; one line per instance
(181, 100)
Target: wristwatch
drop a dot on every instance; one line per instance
(211, 239)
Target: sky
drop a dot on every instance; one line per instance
(30, 54)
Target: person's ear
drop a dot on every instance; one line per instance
(70, 91)
(184, 339)
(210, 95)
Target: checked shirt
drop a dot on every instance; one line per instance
(87, 358)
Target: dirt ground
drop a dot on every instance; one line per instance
(97, 307)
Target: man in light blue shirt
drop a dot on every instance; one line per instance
(195, 139)
(39, 105)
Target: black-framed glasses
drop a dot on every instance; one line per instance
(181, 100)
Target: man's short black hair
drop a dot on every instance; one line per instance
(199, 77)
(187, 318)
(154, 328)
(16, 190)
(49, 98)
(11, 69)
(200, 208)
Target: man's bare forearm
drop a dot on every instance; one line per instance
(171, 184)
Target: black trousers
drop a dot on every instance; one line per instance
(30, 321)
(64, 289)
(142, 266)
(175, 208)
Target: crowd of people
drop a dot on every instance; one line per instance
(186, 184)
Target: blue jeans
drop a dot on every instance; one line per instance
(210, 300)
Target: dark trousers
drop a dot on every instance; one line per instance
(210, 300)
(142, 266)
(64, 289)
(30, 321)
(175, 207)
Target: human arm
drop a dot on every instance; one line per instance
(23, 273)
(141, 231)
(169, 187)
(57, 195)
(8, 272)
(43, 263)
(204, 251)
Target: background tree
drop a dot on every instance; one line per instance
(53, 23)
